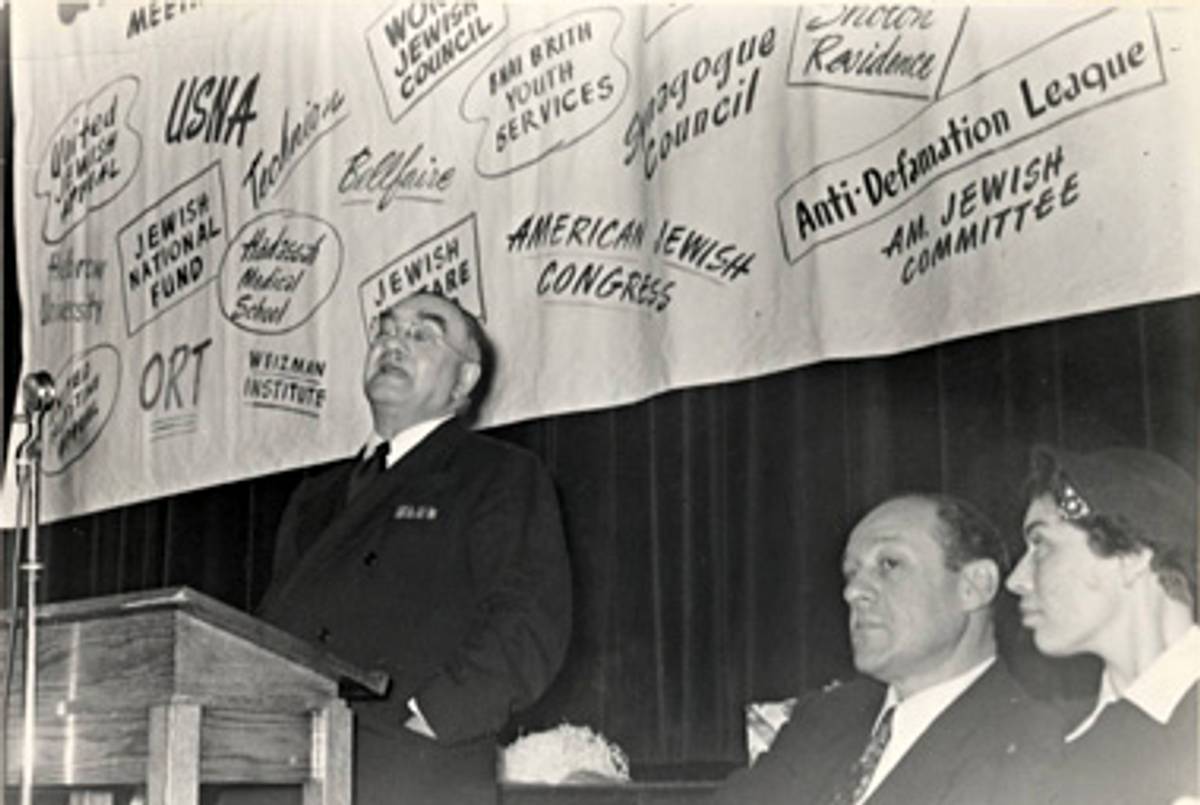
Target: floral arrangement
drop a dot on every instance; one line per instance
(566, 754)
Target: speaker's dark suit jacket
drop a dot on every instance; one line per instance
(993, 744)
(449, 572)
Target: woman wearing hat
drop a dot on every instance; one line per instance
(1110, 570)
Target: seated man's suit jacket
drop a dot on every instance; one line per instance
(449, 572)
(993, 744)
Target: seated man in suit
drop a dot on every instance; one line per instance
(935, 716)
(436, 555)
(1110, 570)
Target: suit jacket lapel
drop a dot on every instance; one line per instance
(936, 754)
(845, 738)
(422, 468)
(323, 496)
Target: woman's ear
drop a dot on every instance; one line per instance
(1135, 564)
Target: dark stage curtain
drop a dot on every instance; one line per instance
(706, 525)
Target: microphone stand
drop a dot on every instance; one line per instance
(29, 482)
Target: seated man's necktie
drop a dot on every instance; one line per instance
(859, 778)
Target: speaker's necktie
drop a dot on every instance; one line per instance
(367, 470)
(859, 778)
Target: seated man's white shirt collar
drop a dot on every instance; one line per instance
(914, 715)
(404, 441)
(1158, 689)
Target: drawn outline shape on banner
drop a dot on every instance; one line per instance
(104, 155)
(475, 107)
(479, 32)
(135, 317)
(313, 300)
(81, 385)
(394, 273)
(833, 205)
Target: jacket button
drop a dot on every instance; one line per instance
(323, 634)
(371, 559)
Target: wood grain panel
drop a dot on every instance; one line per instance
(238, 746)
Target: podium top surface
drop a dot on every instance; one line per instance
(223, 616)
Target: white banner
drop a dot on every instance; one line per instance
(215, 199)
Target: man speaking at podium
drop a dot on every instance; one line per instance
(436, 555)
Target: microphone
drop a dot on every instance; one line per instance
(39, 392)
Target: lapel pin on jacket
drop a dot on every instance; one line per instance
(409, 511)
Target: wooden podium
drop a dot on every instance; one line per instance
(171, 688)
